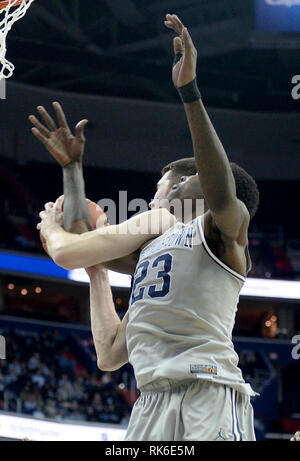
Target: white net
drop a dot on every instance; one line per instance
(10, 12)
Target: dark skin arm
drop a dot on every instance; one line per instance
(68, 150)
(77, 218)
(215, 173)
(227, 218)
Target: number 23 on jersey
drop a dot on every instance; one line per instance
(163, 263)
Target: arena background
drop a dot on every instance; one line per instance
(110, 61)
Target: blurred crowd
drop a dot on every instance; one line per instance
(254, 368)
(41, 378)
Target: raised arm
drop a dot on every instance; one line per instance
(213, 166)
(67, 150)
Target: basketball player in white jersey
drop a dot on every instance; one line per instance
(185, 295)
(177, 333)
(178, 337)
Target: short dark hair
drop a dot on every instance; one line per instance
(246, 187)
(182, 167)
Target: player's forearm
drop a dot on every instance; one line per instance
(72, 251)
(213, 166)
(76, 212)
(112, 242)
(109, 342)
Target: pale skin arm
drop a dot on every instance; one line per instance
(109, 332)
(107, 329)
(73, 251)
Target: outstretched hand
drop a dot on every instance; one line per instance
(184, 67)
(59, 140)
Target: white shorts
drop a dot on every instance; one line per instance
(196, 410)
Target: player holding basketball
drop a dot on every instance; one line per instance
(184, 298)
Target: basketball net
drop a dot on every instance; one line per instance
(10, 12)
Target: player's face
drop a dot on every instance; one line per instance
(187, 188)
(164, 186)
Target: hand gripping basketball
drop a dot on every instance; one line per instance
(98, 217)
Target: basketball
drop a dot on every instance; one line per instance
(98, 217)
